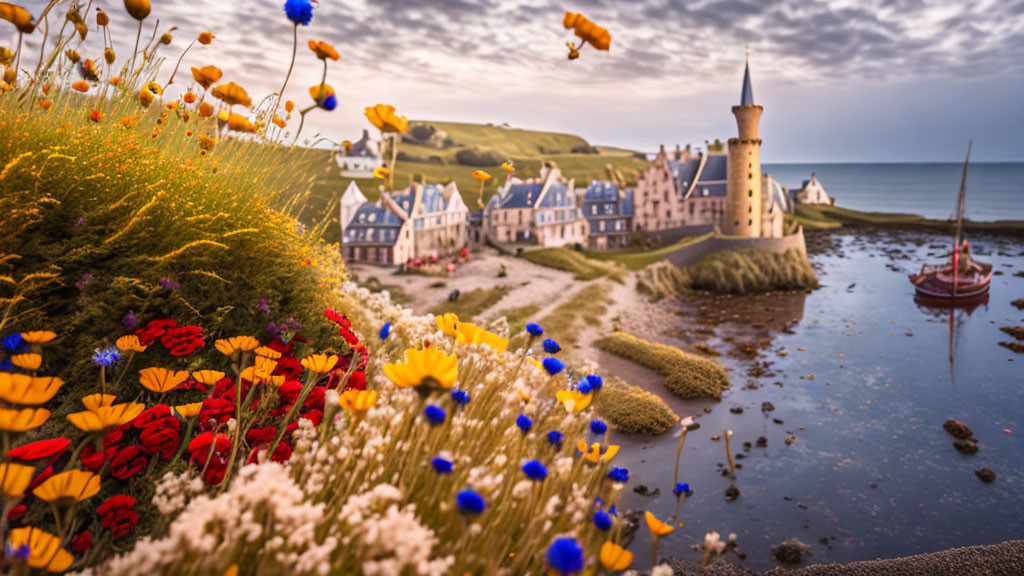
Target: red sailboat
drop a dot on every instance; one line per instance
(963, 279)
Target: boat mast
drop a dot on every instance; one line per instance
(960, 202)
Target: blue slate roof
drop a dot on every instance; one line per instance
(747, 96)
(373, 223)
(627, 203)
(684, 172)
(433, 201)
(716, 168)
(520, 195)
(602, 192)
(558, 196)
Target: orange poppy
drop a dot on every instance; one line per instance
(384, 118)
(80, 86)
(205, 38)
(18, 16)
(589, 32)
(206, 75)
(189, 97)
(206, 109)
(232, 94)
(323, 50)
(95, 116)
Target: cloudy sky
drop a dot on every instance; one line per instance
(840, 80)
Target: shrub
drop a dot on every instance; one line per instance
(633, 410)
(583, 268)
(478, 156)
(730, 271)
(686, 376)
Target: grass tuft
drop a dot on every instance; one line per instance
(686, 376)
(582, 268)
(633, 410)
(731, 271)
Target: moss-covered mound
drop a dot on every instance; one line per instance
(633, 410)
(686, 376)
(731, 271)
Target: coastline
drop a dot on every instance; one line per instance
(816, 217)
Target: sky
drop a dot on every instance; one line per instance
(840, 80)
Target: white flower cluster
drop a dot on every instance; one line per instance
(173, 491)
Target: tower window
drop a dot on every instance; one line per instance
(750, 222)
(751, 194)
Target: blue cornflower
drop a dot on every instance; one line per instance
(598, 427)
(524, 423)
(584, 387)
(107, 357)
(595, 381)
(460, 396)
(470, 502)
(13, 341)
(553, 365)
(435, 414)
(385, 331)
(21, 552)
(441, 466)
(129, 321)
(565, 555)
(534, 470)
(551, 347)
(619, 475)
(681, 488)
(555, 438)
(602, 520)
(299, 11)
(330, 103)
(6, 365)
(534, 329)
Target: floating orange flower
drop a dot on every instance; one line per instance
(207, 377)
(22, 420)
(205, 38)
(589, 32)
(109, 56)
(68, 487)
(267, 352)
(72, 55)
(289, 106)
(508, 166)
(161, 380)
(45, 104)
(657, 527)
(236, 122)
(279, 123)
(102, 414)
(115, 80)
(18, 16)
(481, 175)
(80, 86)
(189, 97)
(320, 363)
(206, 76)
(38, 336)
(323, 50)
(321, 92)
(27, 361)
(593, 452)
(28, 390)
(384, 118)
(139, 9)
(469, 333)
(45, 552)
(101, 18)
(232, 94)
(130, 343)
(615, 557)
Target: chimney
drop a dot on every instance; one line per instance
(678, 154)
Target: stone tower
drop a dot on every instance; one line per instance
(743, 191)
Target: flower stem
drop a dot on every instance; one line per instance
(171, 79)
(138, 36)
(295, 48)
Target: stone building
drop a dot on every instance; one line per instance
(812, 192)
(423, 221)
(686, 192)
(362, 158)
(609, 213)
(540, 211)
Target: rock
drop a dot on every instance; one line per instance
(958, 429)
(762, 442)
(985, 475)
(732, 493)
(692, 427)
(778, 420)
(767, 407)
(966, 446)
(643, 490)
(736, 409)
(790, 552)
(790, 439)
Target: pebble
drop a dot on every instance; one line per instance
(966, 446)
(985, 475)
(957, 429)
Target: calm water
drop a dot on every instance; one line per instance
(872, 472)
(994, 191)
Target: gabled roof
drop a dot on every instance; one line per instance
(520, 195)
(363, 147)
(557, 196)
(627, 203)
(685, 172)
(375, 216)
(599, 191)
(715, 169)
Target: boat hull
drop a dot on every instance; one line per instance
(941, 285)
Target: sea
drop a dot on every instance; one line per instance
(995, 191)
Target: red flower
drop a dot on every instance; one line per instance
(112, 440)
(81, 542)
(155, 413)
(215, 411)
(282, 453)
(337, 318)
(314, 416)
(117, 515)
(183, 340)
(356, 381)
(39, 450)
(225, 389)
(215, 471)
(200, 446)
(16, 512)
(315, 398)
(39, 479)
(193, 384)
(349, 337)
(289, 367)
(128, 462)
(261, 436)
(161, 436)
(155, 329)
(92, 460)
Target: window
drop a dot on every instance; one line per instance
(750, 222)
(750, 194)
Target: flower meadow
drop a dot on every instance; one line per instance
(190, 385)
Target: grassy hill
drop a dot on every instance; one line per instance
(437, 152)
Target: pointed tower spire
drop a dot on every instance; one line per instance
(747, 96)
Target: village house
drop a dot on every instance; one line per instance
(540, 211)
(362, 157)
(424, 221)
(609, 212)
(687, 191)
(812, 192)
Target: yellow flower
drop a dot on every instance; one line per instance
(524, 396)
(232, 94)
(268, 352)
(658, 528)
(44, 549)
(18, 16)
(206, 75)
(38, 336)
(615, 557)
(101, 413)
(28, 390)
(573, 400)
(15, 478)
(208, 377)
(231, 345)
(161, 380)
(469, 333)
(593, 453)
(381, 172)
(130, 343)
(109, 55)
(68, 487)
(278, 122)
(384, 118)
(189, 410)
(101, 18)
(508, 166)
(264, 364)
(205, 38)
(236, 122)
(232, 570)
(139, 9)
(429, 367)
(22, 420)
(481, 175)
(357, 400)
(319, 363)
(319, 93)
(27, 361)
(323, 50)
(146, 97)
